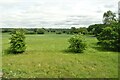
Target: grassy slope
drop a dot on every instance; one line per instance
(45, 57)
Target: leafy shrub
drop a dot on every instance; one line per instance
(17, 41)
(77, 44)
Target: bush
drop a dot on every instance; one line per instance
(77, 44)
(17, 41)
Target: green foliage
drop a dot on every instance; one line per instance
(6, 30)
(29, 31)
(40, 31)
(109, 38)
(82, 30)
(109, 17)
(118, 38)
(77, 44)
(96, 29)
(17, 41)
(73, 30)
(107, 33)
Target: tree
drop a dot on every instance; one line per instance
(109, 17)
(96, 28)
(107, 38)
(118, 38)
(77, 44)
(83, 30)
(17, 41)
(6, 30)
(109, 35)
(74, 30)
(40, 31)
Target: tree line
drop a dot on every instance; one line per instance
(72, 30)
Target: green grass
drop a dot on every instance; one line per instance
(46, 57)
(0, 51)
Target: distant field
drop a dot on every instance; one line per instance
(46, 57)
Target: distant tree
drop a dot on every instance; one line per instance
(40, 31)
(82, 30)
(74, 30)
(7, 30)
(35, 30)
(64, 31)
(96, 28)
(109, 17)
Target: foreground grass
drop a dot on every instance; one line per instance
(46, 57)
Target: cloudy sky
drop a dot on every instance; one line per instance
(54, 13)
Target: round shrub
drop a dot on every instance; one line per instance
(17, 41)
(77, 44)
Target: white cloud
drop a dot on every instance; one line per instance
(49, 13)
(9, 1)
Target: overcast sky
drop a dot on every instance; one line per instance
(54, 13)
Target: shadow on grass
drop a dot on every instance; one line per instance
(67, 51)
(8, 52)
(101, 49)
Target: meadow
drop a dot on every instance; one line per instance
(46, 57)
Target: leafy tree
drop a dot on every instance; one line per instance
(117, 27)
(74, 30)
(109, 17)
(82, 30)
(109, 35)
(17, 41)
(96, 29)
(109, 38)
(6, 30)
(40, 31)
(77, 44)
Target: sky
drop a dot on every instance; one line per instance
(53, 13)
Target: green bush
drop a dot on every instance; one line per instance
(17, 41)
(77, 44)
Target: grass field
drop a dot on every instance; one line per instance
(46, 57)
